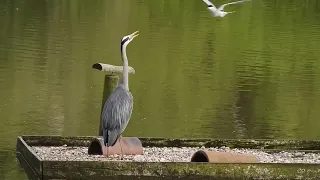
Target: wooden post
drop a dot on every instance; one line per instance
(111, 80)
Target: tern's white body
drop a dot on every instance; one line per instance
(219, 12)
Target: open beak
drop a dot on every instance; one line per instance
(135, 34)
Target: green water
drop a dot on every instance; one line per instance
(252, 74)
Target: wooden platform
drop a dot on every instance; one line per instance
(36, 168)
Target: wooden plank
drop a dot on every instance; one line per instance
(169, 170)
(58, 140)
(133, 170)
(270, 144)
(267, 144)
(27, 167)
(29, 156)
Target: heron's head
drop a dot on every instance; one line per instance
(127, 39)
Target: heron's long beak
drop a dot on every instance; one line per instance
(133, 35)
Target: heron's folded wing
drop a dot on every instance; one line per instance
(117, 111)
(110, 136)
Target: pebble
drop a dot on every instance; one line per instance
(168, 154)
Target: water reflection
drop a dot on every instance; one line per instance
(253, 74)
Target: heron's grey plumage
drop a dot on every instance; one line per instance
(117, 109)
(116, 114)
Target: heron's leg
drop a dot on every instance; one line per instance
(107, 151)
(121, 157)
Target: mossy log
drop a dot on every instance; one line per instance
(41, 169)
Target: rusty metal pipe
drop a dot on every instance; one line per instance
(130, 146)
(223, 157)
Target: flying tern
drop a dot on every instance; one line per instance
(218, 12)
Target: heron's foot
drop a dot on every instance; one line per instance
(107, 152)
(121, 156)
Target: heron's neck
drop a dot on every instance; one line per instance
(125, 81)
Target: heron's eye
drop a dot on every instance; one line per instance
(124, 40)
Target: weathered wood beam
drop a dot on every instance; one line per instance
(111, 69)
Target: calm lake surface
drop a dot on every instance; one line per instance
(252, 74)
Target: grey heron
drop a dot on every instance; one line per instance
(117, 109)
(219, 12)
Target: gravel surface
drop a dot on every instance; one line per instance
(169, 154)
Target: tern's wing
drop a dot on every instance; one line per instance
(236, 2)
(210, 4)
